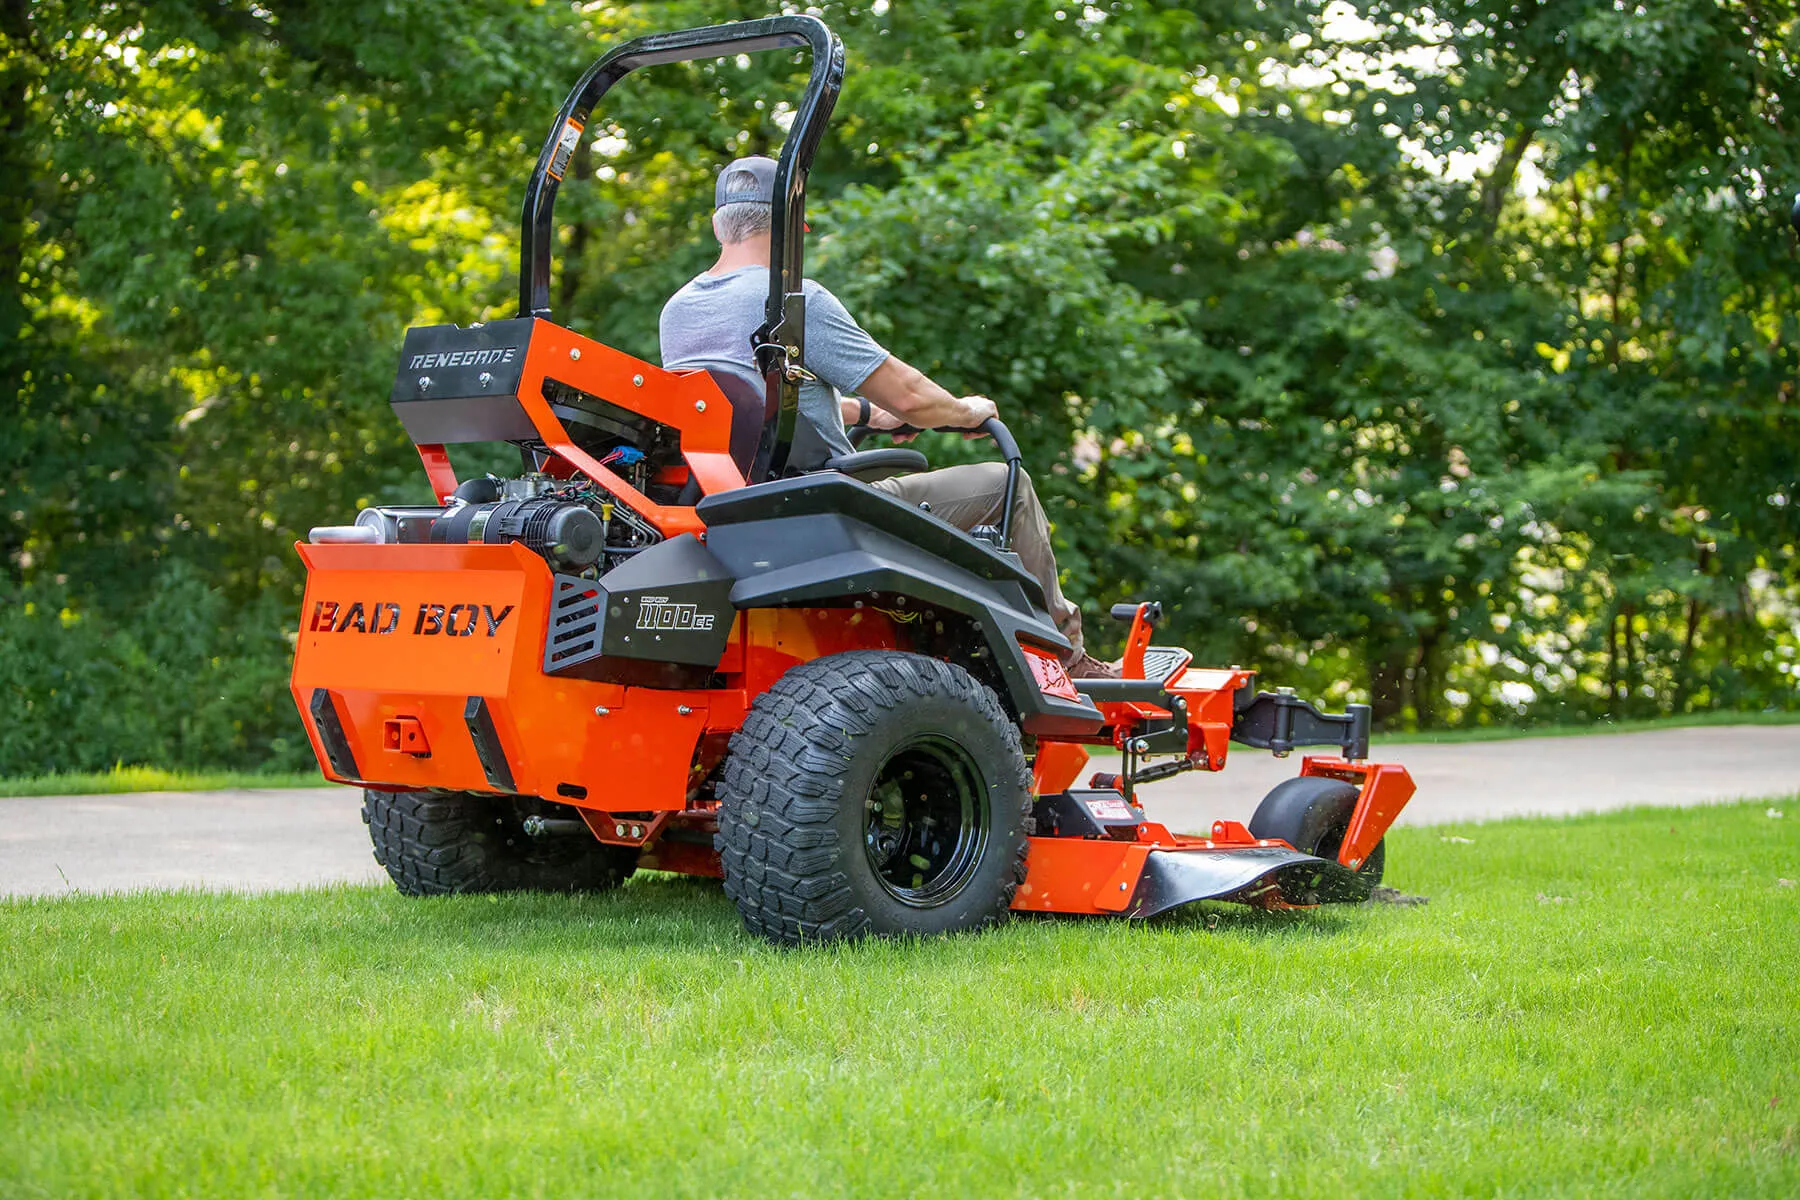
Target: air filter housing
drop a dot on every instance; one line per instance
(568, 534)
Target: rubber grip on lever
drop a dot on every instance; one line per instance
(1128, 612)
(993, 427)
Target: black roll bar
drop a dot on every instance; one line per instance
(780, 344)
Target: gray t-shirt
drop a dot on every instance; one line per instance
(713, 316)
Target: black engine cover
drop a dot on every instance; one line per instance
(462, 385)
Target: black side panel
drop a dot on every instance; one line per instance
(822, 539)
(669, 604)
(461, 385)
(487, 744)
(331, 734)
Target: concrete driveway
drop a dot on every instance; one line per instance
(289, 838)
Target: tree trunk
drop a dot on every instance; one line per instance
(19, 69)
(1425, 687)
(1387, 685)
(1684, 666)
(1633, 672)
(1612, 661)
(1618, 282)
(1684, 669)
(1500, 179)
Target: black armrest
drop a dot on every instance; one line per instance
(870, 465)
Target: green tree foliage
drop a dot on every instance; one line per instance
(1443, 360)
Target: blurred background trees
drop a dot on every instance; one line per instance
(1438, 358)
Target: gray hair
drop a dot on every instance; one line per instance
(744, 220)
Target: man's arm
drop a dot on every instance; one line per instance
(906, 393)
(858, 410)
(840, 352)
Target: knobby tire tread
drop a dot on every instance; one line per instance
(780, 788)
(444, 844)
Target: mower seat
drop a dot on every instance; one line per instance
(753, 431)
(752, 418)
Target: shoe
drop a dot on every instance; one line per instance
(1086, 666)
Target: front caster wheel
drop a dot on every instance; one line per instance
(1312, 814)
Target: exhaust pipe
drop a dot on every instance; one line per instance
(343, 535)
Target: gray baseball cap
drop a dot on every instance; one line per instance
(759, 166)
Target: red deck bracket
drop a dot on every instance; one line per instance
(1384, 789)
(1057, 767)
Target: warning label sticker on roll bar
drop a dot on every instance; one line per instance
(565, 146)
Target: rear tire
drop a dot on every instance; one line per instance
(874, 792)
(456, 843)
(1312, 814)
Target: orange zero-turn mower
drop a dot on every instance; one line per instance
(658, 647)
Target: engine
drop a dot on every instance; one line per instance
(578, 529)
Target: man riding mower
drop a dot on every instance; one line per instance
(711, 321)
(698, 634)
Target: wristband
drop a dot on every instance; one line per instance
(862, 410)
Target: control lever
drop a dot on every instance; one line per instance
(1003, 441)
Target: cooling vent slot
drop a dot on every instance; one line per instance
(576, 619)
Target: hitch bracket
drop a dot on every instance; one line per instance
(1280, 722)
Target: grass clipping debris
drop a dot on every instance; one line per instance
(1636, 1037)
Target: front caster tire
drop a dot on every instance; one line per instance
(451, 843)
(1312, 814)
(874, 792)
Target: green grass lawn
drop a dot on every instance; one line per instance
(151, 779)
(1499, 733)
(1605, 1006)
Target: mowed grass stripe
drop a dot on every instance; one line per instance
(1603, 1006)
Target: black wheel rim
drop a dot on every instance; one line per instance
(925, 821)
(1332, 844)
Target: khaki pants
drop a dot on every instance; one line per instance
(969, 496)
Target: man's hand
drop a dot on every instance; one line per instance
(978, 409)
